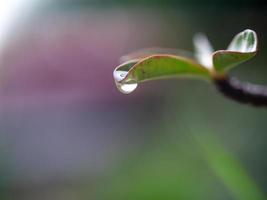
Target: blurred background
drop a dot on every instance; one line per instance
(67, 133)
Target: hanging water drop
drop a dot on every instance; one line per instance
(125, 88)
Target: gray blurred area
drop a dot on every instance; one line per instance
(62, 119)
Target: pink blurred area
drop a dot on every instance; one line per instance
(64, 59)
(61, 61)
(61, 114)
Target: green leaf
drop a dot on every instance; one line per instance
(242, 48)
(160, 66)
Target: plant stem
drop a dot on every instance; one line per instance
(242, 92)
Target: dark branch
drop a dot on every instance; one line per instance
(242, 92)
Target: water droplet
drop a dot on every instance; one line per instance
(119, 75)
(125, 88)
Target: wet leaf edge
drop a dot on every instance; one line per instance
(215, 54)
(139, 63)
(250, 54)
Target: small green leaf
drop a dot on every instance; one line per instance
(242, 48)
(159, 66)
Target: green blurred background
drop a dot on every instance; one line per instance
(67, 133)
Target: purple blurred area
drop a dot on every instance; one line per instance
(65, 60)
(62, 116)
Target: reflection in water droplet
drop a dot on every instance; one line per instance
(125, 88)
(119, 75)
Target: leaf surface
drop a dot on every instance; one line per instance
(242, 48)
(160, 66)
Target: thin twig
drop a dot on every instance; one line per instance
(242, 92)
